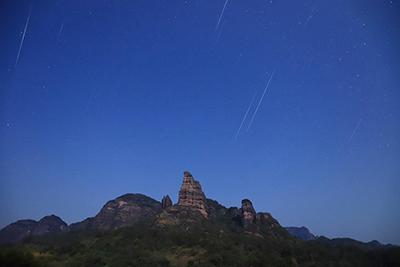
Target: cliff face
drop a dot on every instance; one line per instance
(191, 195)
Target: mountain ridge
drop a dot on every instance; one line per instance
(137, 230)
(192, 206)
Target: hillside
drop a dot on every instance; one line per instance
(136, 230)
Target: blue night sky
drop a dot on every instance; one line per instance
(102, 98)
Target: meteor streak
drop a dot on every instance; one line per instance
(355, 130)
(23, 37)
(245, 115)
(259, 102)
(221, 15)
(60, 31)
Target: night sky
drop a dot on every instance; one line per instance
(102, 98)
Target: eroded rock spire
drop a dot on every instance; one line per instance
(248, 213)
(166, 202)
(191, 195)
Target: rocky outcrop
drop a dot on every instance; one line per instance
(125, 210)
(260, 224)
(191, 195)
(166, 202)
(269, 226)
(301, 233)
(50, 224)
(248, 213)
(22, 229)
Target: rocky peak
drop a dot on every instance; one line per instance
(19, 230)
(166, 202)
(125, 210)
(248, 213)
(50, 224)
(52, 220)
(191, 195)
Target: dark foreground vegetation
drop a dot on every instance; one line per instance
(195, 245)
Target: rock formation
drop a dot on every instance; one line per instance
(269, 226)
(132, 209)
(301, 233)
(191, 195)
(166, 202)
(125, 210)
(248, 213)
